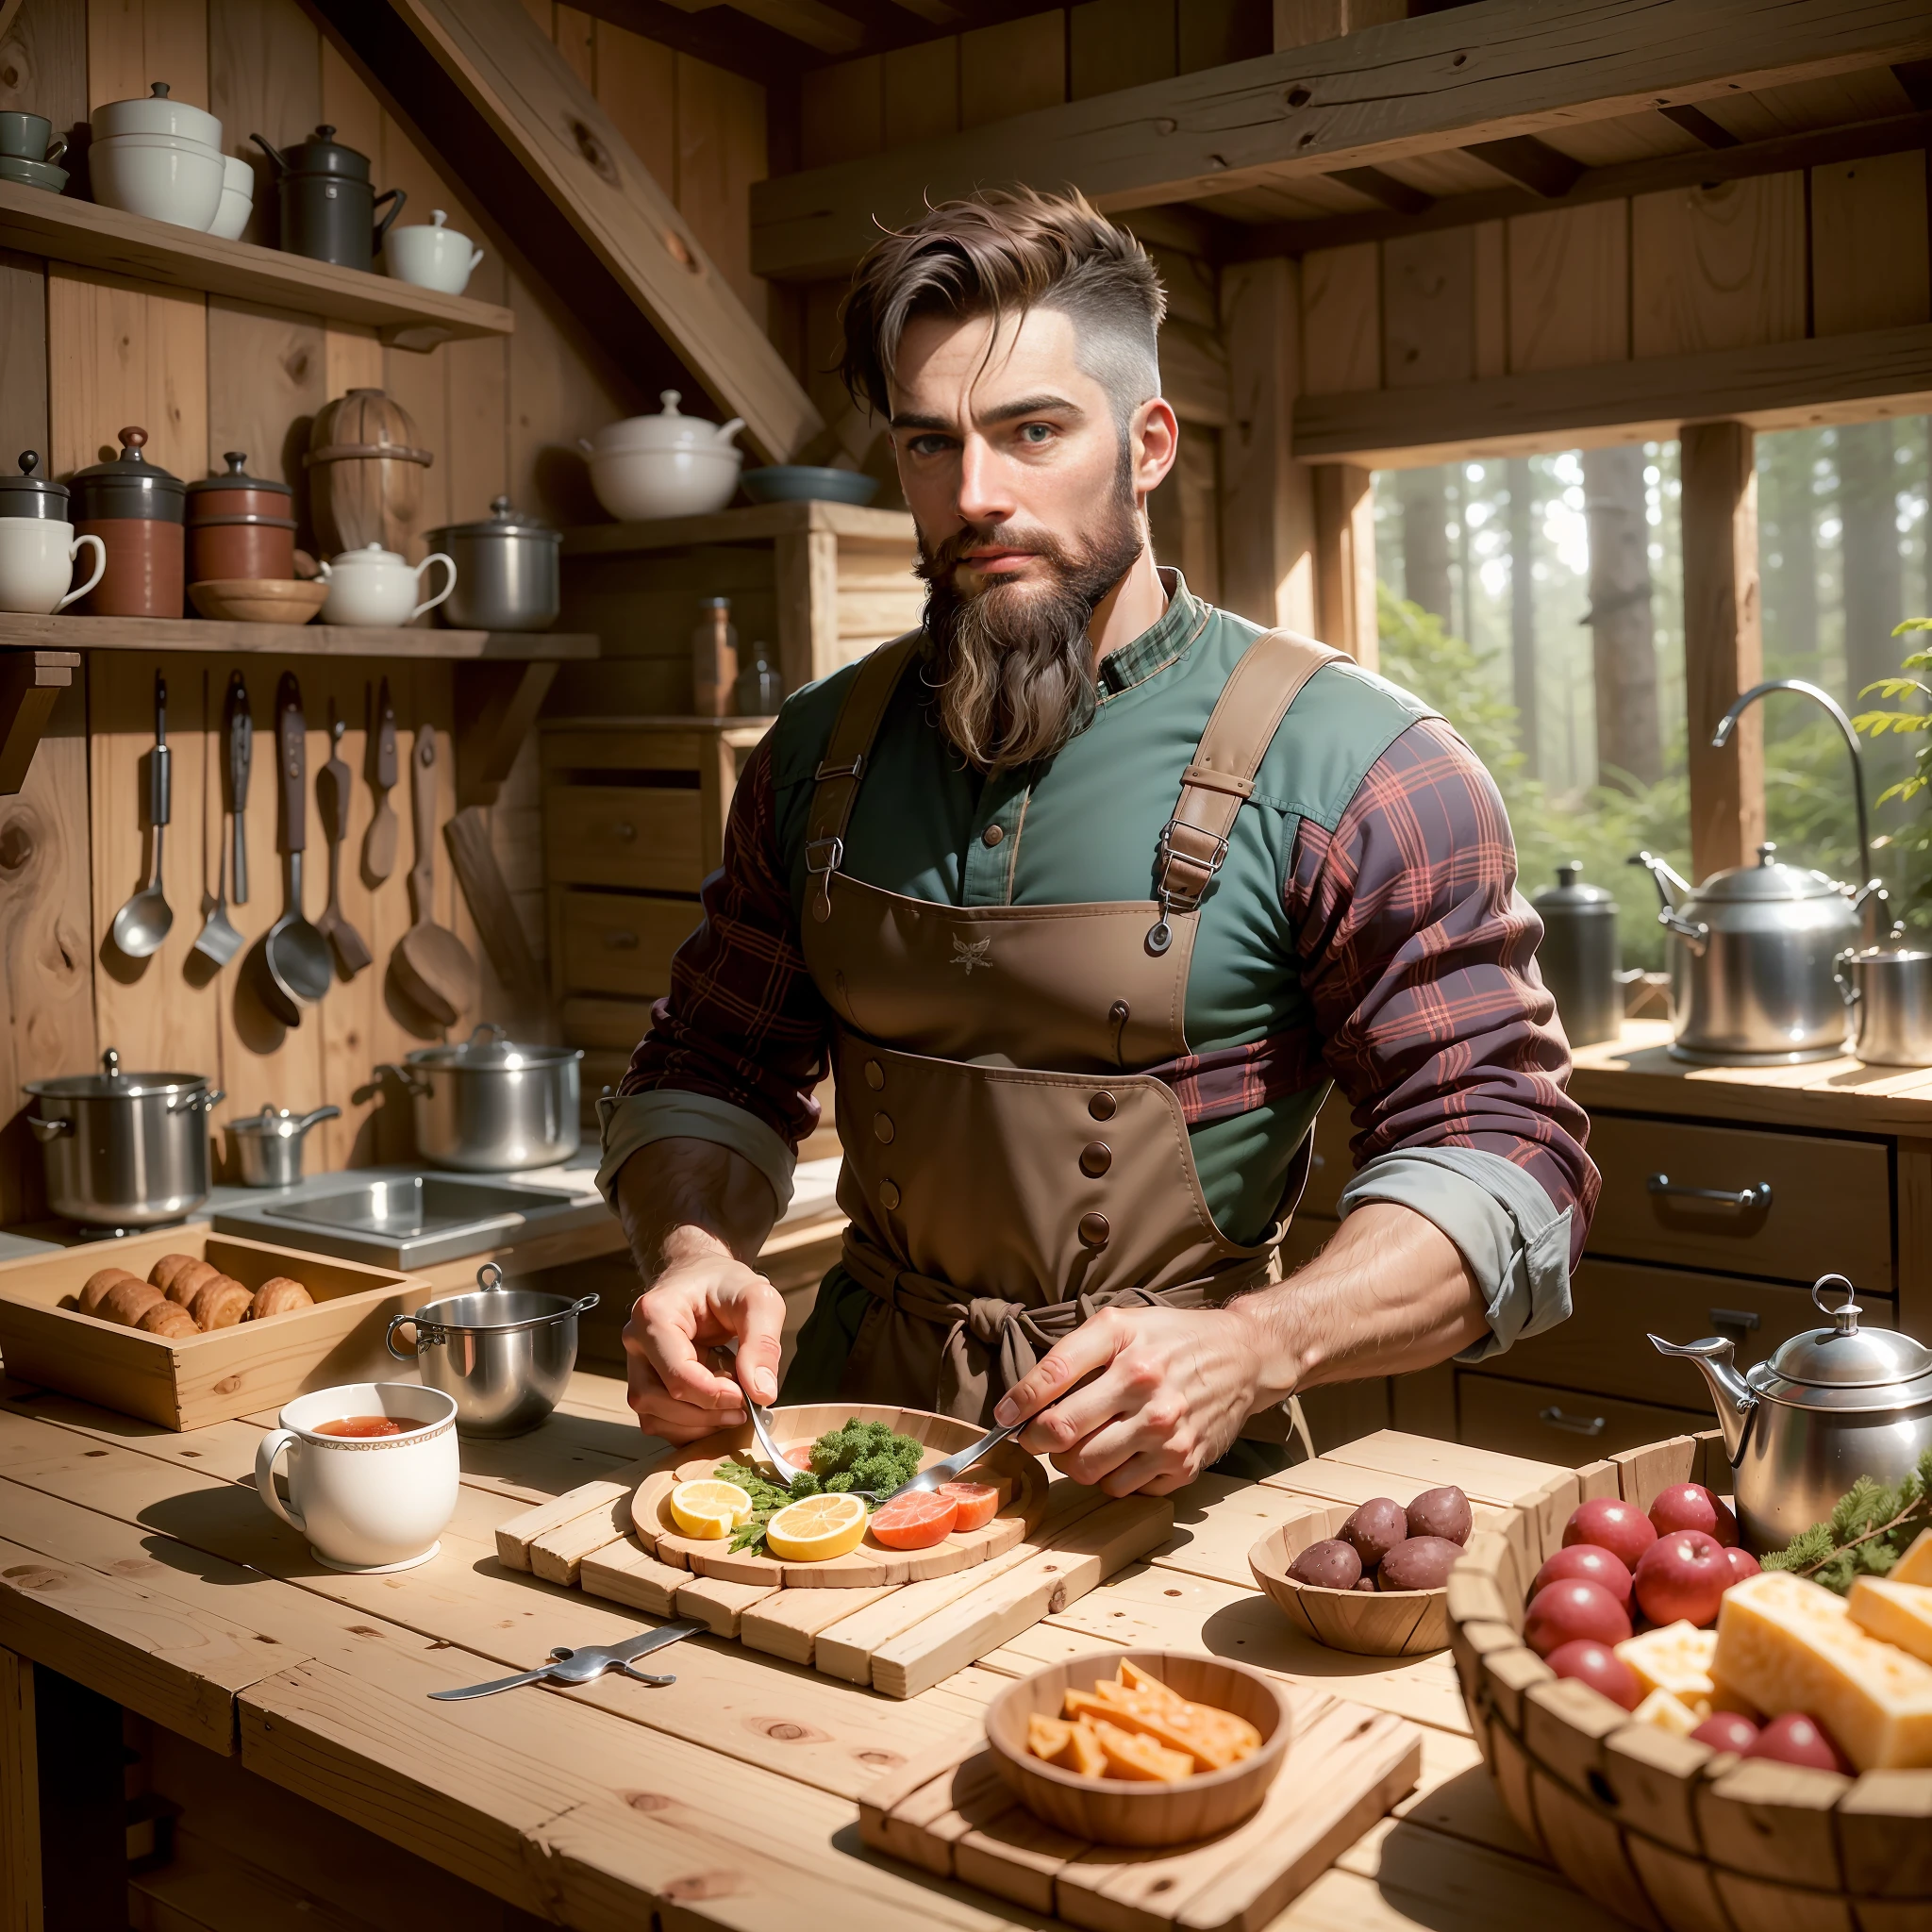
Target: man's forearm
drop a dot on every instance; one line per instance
(681, 1199)
(1389, 1294)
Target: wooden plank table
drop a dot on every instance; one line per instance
(284, 1707)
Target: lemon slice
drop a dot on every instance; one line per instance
(708, 1508)
(816, 1529)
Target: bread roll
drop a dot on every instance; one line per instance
(219, 1303)
(190, 1279)
(127, 1301)
(278, 1295)
(98, 1283)
(164, 1270)
(168, 1319)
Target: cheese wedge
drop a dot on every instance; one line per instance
(1675, 1658)
(1080, 1750)
(1899, 1613)
(1788, 1645)
(1915, 1566)
(1134, 1755)
(1666, 1713)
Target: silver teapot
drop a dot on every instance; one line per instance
(1829, 1405)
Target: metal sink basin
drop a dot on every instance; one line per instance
(412, 1221)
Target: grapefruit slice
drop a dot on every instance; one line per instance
(916, 1522)
(978, 1503)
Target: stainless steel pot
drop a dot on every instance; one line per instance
(1578, 955)
(124, 1150)
(1890, 989)
(1831, 1405)
(506, 574)
(490, 1106)
(267, 1145)
(504, 1355)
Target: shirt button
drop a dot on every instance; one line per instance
(882, 1128)
(992, 835)
(875, 1076)
(1103, 1107)
(889, 1196)
(1095, 1158)
(1095, 1230)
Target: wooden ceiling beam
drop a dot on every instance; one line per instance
(1700, 126)
(719, 35)
(1543, 169)
(1485, 72)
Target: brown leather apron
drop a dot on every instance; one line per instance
(1008, 1168)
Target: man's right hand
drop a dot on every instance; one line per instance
(695, 1305)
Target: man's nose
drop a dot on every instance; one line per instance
(985, 496)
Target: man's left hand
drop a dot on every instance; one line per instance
(1174, 1388)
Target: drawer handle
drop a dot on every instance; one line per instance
(1755, 1197)
(623, 831)
(1746, 1320)
(620, 942)
(1573, 1424)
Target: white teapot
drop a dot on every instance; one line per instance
(375, 585)
(432, 256)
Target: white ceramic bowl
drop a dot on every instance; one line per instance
(160, 175)
(634, 484)
(238, 199)
(156, 113)
(428, 256)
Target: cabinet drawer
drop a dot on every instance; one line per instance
(1559, 1425)
(1616, 1304)
(1828, 1210)
(646, 836)
(614, 943)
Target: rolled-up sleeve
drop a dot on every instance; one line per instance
(1419, 955)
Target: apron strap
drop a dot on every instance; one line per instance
(1193, 843)
(843, 765)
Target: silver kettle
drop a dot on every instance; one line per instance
(1829, 1405)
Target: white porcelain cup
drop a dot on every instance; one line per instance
(368, 1504)
(431, 255)
(37, 565)
(375, 585)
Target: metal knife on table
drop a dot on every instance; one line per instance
(584, 1666)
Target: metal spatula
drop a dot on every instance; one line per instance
(218, 939)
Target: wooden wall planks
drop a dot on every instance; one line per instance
(1012, 68)
(1428, 308)
(1868, 245)
(1117, 43)
(1718, 268)
(22, 355)
(1568, 288)
(1342, 321)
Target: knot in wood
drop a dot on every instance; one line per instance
(594, 151)
(703, 1885)
(785, 1730)
(648, 1801)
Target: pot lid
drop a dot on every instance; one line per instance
(1844, 1357)
(237, 477)
(490, 1045)
(371, 553)
(110, 1083)
(1570, 894)
(28, 495)
(668, 429)
(500, 521)
(131, 470)
(322, 154)
(1767, 880)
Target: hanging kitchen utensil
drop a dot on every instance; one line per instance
(433, 966)
(218, 939)
(238, 732)
(328, 202)
(379, 841)
(143, 924)
(365, 473)
(332, 796)
(293, 954)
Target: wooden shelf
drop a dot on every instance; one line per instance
(407, 317)
(289, 640)
(762, 522)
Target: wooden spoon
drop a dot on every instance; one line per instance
(379, 844)
(432, 965)
(332, 795)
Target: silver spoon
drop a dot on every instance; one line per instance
(296, 956)
(143, 924)
(219, 941)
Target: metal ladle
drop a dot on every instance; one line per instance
(295, 955)
(143, 924)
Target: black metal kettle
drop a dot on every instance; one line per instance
(328, 201)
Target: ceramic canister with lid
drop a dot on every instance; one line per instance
(135, 507)
(38, 547)
(1578, 955)
(239, 525)
(30, 494)
(328, 202)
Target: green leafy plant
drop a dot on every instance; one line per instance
(1915, 842)
(1869, 1531)
(860, 1456)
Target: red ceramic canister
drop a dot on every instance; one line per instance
(239, 525)
(135, 507)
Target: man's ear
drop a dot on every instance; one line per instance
(1154, 437)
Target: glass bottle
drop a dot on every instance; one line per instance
(761, 690)
(713, 660)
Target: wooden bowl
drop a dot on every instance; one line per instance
(257, 600)
(1125, 1812)
(1382, 1623)
(1657, 1828)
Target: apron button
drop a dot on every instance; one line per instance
(1095, 1230)
(1103, 1107)
(882, 1128)
(889, 1196)
(1095, 1158)
(992, 835)
(875, 1076)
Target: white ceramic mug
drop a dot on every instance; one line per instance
(37, 565)
(376, 586)
(367, 1504)
(431, 255)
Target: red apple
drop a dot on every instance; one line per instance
(1726, 1731)
(1690, 1505)
(1621, 1528)
(1587, 1563)
(1743, 1562)
(1600, 1667)
(1563, 1611)
(1683, 1575)
(1795, 1738)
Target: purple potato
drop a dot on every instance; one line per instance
(1442, 1512)
(1367, 1583)
(1329, 1565)
(1374, 1529)
(1420, 1562)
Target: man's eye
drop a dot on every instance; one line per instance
(929, 445)
(1036, 433)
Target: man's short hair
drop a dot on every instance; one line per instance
(999, 254)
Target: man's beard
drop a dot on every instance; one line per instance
(1013, 665)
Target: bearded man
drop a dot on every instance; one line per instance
(1088, 891)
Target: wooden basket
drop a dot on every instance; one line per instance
(199, 1380)
(1665, 1832)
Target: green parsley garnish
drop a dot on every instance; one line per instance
(861, 1456)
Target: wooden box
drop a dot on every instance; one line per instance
(189, 1383)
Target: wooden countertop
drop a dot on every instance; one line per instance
(142, 1563)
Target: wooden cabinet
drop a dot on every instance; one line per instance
(1562, 1425)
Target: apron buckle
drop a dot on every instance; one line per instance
(823, 857)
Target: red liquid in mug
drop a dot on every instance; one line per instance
(368, 1425)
